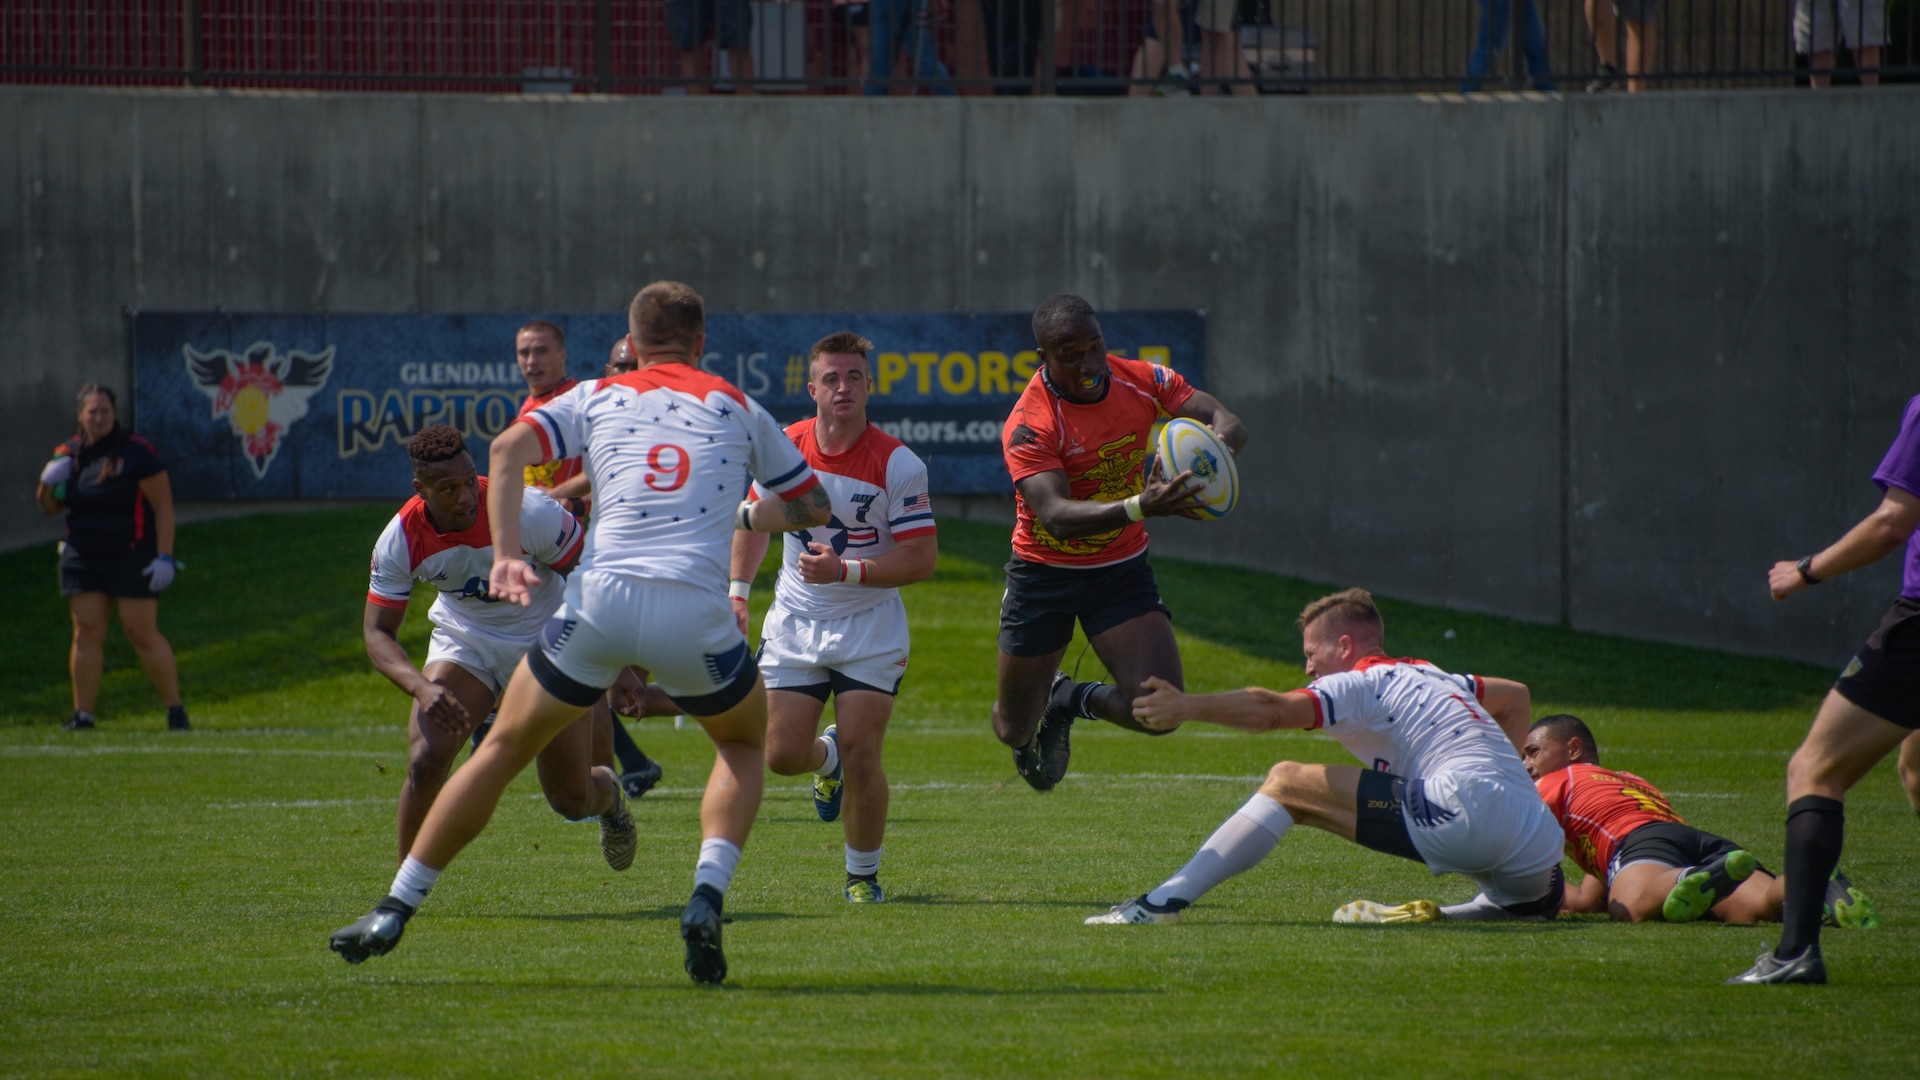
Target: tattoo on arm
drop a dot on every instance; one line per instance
(806, 509)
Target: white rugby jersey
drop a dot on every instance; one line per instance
(670, 450)
(879, 493)
(458, 564)
(1412, 719)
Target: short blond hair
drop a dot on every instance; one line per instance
(667, 314)
(1348, 609)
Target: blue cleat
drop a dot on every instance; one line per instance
(826, 789)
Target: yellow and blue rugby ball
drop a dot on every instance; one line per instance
(1190, 445)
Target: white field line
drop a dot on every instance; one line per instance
(235, 751)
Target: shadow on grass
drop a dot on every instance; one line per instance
(1253, 613)
(658, 914)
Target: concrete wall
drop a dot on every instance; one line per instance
(1568, 359)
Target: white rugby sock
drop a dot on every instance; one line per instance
(1238, 844)
(862, 863)
(833, 757)
(718, 858)
(414, 881)
(1478, 909)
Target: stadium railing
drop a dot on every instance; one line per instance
(816, 46)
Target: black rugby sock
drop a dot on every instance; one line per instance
(1076, 699)
(1816, 827)
(632, 758)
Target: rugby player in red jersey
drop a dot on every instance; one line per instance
(1641, 860)
(1077, 445)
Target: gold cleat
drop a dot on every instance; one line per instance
(1366, 911)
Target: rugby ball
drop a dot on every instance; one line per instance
(1190, 445)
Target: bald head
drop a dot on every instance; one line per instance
(620, 360)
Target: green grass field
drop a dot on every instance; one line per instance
(169, 896)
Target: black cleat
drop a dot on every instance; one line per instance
(177, 718)
(1028, 763)
(1769, 969)
(638, 782)
(373, 935)
(1056, 728)
(700, 927)
(79, 721)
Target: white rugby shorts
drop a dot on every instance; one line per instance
(1493, 829)
(488, 657)
(870, 647)
(683, 634)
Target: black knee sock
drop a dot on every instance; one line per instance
(1816, 826)
(1072, 697)
(632, 758)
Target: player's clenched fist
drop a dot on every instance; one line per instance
(819, 566)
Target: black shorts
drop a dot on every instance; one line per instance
(1884, 677)
(1670, 843)
(1378, 823)
(1041, 602)
(837, 684)
(117, 577)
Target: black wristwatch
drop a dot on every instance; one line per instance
(1805, 566)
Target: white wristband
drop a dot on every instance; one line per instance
(738, 589)
(1132, 507)
(743, 517)
(854, 571)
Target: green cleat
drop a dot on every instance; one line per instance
(1701, 887)
(1847, 907)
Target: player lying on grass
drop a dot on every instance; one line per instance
(1077, 444)
(441, 537)
(671, 449)
(837, 627)
(1641, 860)
(1446, 787)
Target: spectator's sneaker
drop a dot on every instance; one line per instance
(480, 730)
(637, 782)
(1768, 969)
(1701, 887)
(1603, 80)
(1053, 740)
(79, 721)
(826, 789)
(619, 836)
(177, 718)
(862, 890)
(1366, 911)
(700, 929)
(1137, 912)
(373, 935)
(1848, 907)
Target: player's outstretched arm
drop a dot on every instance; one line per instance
(912, 561)
(1049, 496)
(1587, 898)
(1165, 707)
(1877, 535)
(1511, 706)
(513, 578)
(1207, 409)
(381, 629)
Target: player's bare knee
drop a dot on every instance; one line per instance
(1283, 783)
(787, 757)
(428, 769)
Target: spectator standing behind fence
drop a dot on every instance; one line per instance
(119, 549)
(1162, 50)
(1496, 18)
(905, 26)
(1862, 25)
(727, 24)
(849, 22)
(1220, 55)
(1636, 18)
(1013, 38)
(1605, 47)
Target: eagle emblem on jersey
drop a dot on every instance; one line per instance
(261, 393)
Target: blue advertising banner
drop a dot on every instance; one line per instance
(321, 406)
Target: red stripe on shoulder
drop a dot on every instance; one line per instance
(380, 601)
(685, 378)
(921, 530)
(539, 431)
(813, 481)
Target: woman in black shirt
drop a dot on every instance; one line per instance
(118, 551)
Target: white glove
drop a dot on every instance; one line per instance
(159, 572)
(58, 471)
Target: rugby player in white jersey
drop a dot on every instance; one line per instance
(837, 627)
(441, 537)
(670, 449)
(1445, 788)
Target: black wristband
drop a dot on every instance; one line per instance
(1805, 566)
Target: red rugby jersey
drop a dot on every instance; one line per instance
(552, 473)
(1103, 449)
(1598, 807)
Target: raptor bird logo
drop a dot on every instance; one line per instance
(260, 393)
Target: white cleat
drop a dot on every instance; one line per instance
(1134, 911)
(1366, 911)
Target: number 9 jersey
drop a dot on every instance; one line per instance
(670, 450)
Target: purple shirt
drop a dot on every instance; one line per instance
(1901, 469)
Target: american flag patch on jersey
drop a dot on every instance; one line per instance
(920, 502)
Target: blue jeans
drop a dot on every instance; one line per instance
(1496, 16)
(908, 23)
